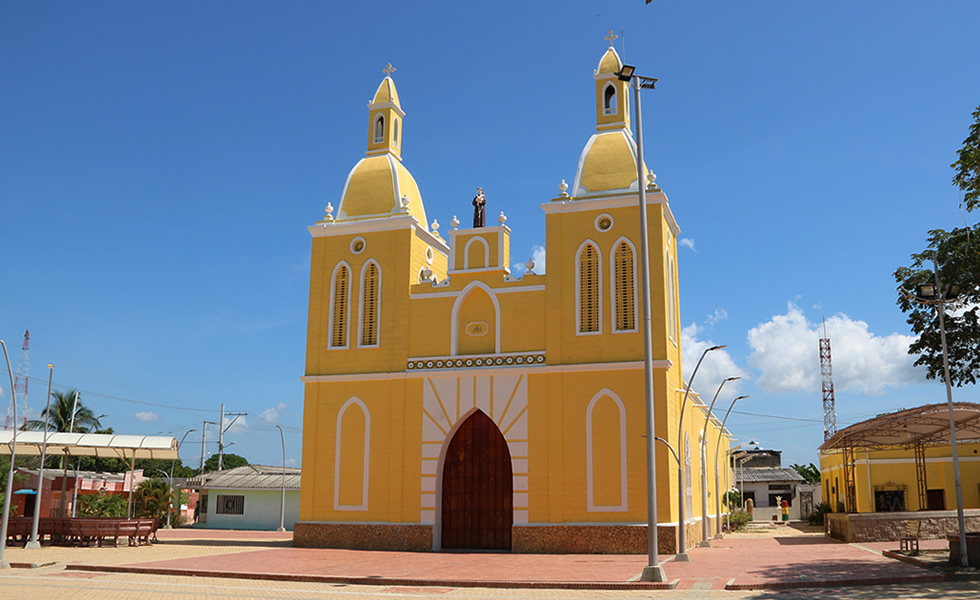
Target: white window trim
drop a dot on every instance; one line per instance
(613, 108)
(367, 456)
(578, 287)
(589, 476)
(613, 289)
(333, 285)
(374, 130)
(486, 252)
(360, 307)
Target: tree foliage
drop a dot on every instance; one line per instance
(229, 461)
(967, 165)
(102, 505)
(58, 416)
(957, 254)
(809, 472)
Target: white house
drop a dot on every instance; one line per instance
(248, 497)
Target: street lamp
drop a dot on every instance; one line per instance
(681, 534)
(5, 521)
(653, 571)
(282, 500)
(705, 530)
(171, 478)
(718, 535)
(32, 542)
(939, 297)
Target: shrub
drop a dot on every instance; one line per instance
(817, 516)
(739, 518)
(102, 505)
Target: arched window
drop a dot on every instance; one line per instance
(624, 286)
(370, 293)
(609, 100)
(395, 133)
(588, 289)
(379, 129)
(339, 300)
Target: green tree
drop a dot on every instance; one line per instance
(229, 461)
(957, 253)
(967, 165)
(102, 505)
(152, 498)
(809, 472)
(58, 416)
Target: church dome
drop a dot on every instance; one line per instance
(379, 185)
(607, 164)
(375, 188)
(610, 62)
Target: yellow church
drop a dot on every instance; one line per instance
(452, 404)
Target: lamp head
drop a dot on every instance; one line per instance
(626, 73)
(717, 347)
(732, 378)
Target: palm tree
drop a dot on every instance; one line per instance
(58, 416)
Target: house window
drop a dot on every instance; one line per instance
(782, 497)
(379, 130)
(230, 505)
(623, 283)
(370, 286)
(588, 288)
(338, 307)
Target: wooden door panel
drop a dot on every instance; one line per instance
(477, 487)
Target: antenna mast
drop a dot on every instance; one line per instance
(20, 386)
(827, 377)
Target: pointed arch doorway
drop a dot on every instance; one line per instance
(477, 487)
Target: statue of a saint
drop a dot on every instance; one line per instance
(479, 209)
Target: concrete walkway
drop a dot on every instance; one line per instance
(785, 559)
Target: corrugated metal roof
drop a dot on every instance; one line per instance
(29, 443)
(768, 474)
(249, 477)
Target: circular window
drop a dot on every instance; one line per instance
(429, 256)
(357, 245)
(603, 222)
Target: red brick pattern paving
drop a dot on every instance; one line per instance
(735, 563)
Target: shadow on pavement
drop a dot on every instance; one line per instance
(806, 540)
(218, 543)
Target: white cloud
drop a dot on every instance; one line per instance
(538, 255)
(720, 314)
(239, 426)
(290, 462)
(146, 416)
(785, 351)
(270, 416)
(717, 365)
(687, 243)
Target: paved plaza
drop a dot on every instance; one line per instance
(189, 563)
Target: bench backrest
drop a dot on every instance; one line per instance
(912, 528)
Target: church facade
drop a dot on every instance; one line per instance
(451, 404)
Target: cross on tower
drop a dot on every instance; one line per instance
(612, 37)
(390, 69)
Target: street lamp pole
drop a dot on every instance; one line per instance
(653, 571)
(705, 528)
(32, 542)
(718, 535)
(5, 521)
(172, 463)
(282, 499)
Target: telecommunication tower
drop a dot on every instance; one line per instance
(20, 387)
(827, 377)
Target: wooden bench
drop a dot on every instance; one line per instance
(910, 541)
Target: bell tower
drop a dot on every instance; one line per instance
(386, 116)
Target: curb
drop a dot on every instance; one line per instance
(37, 565)
(824, 583)
(545, 585)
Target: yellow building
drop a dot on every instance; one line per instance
(450, 404)
(903, 461)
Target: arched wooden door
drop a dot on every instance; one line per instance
(477, 487)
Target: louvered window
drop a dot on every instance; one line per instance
(588, 272)
(338, 332)
(623, 281)
(369, 305)
(230, 505)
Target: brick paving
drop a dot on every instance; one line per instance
(751, 561)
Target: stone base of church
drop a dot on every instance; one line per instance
(589, 539)
(363, 536)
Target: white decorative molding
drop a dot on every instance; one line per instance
(589, 476)
(486, 253)
(613, 200)
(360, 307)
(613, 288)
(454, 326)
(367, 456)
(330, 312)
(578, 288)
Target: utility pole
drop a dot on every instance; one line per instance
(221, 432)
(204, 439)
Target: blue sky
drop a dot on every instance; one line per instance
(159, 164)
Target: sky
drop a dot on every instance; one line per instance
(160, 162)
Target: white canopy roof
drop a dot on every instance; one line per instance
(91, 444)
